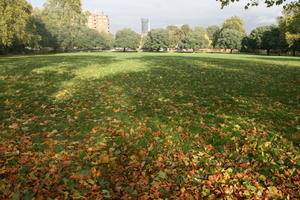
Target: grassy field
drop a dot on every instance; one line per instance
(149, 126)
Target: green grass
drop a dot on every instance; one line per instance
(149, 125)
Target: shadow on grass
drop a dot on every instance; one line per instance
(26, 93)
(243, 90)
(181, 90)
(177, 104)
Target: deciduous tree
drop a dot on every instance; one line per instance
(17, 29)
(185, 29)
(230, 39)
(157, 39)
(175, 35)
(268, 3)
(196, 39)
(235, 23)
(271, 39)
(231, 34)
(64, 20)
(265, 38)
(127, 38)
(290, 26)
(213, 33)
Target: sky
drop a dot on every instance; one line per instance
(128, 13)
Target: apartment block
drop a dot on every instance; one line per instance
(99, 22)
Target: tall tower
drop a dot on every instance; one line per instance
(145, 26)
(99, 22)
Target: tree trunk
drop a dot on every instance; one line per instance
(158, 49)
(294, 52)
(124, 50)
(231, 50)
(268, 52)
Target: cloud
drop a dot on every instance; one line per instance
(127, 14)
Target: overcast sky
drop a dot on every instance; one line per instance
(128, 13)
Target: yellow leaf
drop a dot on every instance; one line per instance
(267, 144)
(226, 176)
(262, 177)
(105, 159)
(131, 131)
(229, 170)
(182, 190)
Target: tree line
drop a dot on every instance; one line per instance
(61, 25)
(281, 38)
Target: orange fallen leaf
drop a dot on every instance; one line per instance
(105, 159)
(182, 190)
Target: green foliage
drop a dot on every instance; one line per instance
(65, 12)
(175, 35)
(16, 25)
(149, 126)
(230, 39)
(231, 34)
(265, 38)
(268, 3)
(127, 38)
(196, 39)
(213, 34)
(201, 30)
(45, 30)
(256, 37)
(108, 40)
(234, 23)
(289, 25)
(185, 29)
(271, 39)
(89, 38)
(157, 39)
(63, 19)
(61, 26)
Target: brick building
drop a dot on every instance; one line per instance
(99, 22)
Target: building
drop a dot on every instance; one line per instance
(99, 22)
(145, 26)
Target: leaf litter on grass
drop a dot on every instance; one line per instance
(176, 130)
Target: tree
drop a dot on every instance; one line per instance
(230, 39)
(185, 29)
(127, 38)
(65, 11)
(213, 33)
(175, 35)
(157, 39)
(201, 30)
(268, 3)
(289, 25)
(17, 29)
(108, 40)
(89, 38)
(271, 39)
(45, 30)
(63, 19)
(231, 34)
(196, 39)
(256, 37)
(265, 38)
(235, 23)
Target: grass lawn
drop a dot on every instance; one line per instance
(149, 126)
